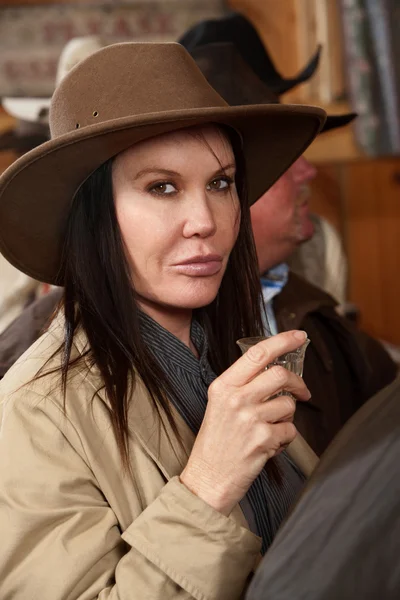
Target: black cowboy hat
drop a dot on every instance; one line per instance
(205, 42)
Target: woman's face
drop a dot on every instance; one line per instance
(179, 215)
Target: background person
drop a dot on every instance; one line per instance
(343, 366)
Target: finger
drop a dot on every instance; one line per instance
(273, 380)
(282, 434)
(259, 356)
(276, 410)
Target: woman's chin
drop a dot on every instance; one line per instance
(199, 302)
(192, 295)
(201, 296)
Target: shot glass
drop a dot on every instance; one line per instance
(292, 361)
(299, 451)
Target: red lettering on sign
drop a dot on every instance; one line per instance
(165, 24)
(155, 23)
(93, 27)
(58, 31)
(29, 70)
(11, 70)
(144, 24)
(121, 28)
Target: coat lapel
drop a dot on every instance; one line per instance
(161, 442)
(156, 435)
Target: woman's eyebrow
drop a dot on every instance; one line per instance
(169, 173)
(156, 170)
(224, 168)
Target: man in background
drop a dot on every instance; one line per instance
(343, 367)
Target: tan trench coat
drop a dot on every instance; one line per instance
(74, 527)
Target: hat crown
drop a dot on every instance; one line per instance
(238, 30)
(227, 72)
(127, 80)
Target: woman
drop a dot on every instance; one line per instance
(119, 478)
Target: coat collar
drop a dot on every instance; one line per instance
(297, 299)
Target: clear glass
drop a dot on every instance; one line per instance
(299, 451)
(292, 361)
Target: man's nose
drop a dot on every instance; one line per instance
(303, 170)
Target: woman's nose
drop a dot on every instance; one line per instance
(200, 219)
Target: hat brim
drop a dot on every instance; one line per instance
(36, 192)
(335, 121)
(26, 109)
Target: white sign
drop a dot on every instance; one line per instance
(32, 37)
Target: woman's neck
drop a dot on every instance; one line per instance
(176, 321)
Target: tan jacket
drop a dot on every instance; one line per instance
(74, 526)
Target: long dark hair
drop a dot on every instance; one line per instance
(99, 297)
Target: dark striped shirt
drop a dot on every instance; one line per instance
(268, 501)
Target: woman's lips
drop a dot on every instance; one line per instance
(200, 266)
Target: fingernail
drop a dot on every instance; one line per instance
(300, 335)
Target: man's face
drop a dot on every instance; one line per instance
(281, 217)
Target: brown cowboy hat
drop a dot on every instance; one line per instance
(118, 96)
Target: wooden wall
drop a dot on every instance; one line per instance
(371, 194)
(360, 196)
(362, 199)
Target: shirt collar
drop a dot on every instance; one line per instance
(168, 348)
(273, 281)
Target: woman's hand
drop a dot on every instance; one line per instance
(241, 431)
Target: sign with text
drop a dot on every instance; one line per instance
(32, 37)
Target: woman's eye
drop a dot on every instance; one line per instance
(220, 184)
(163, 188)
